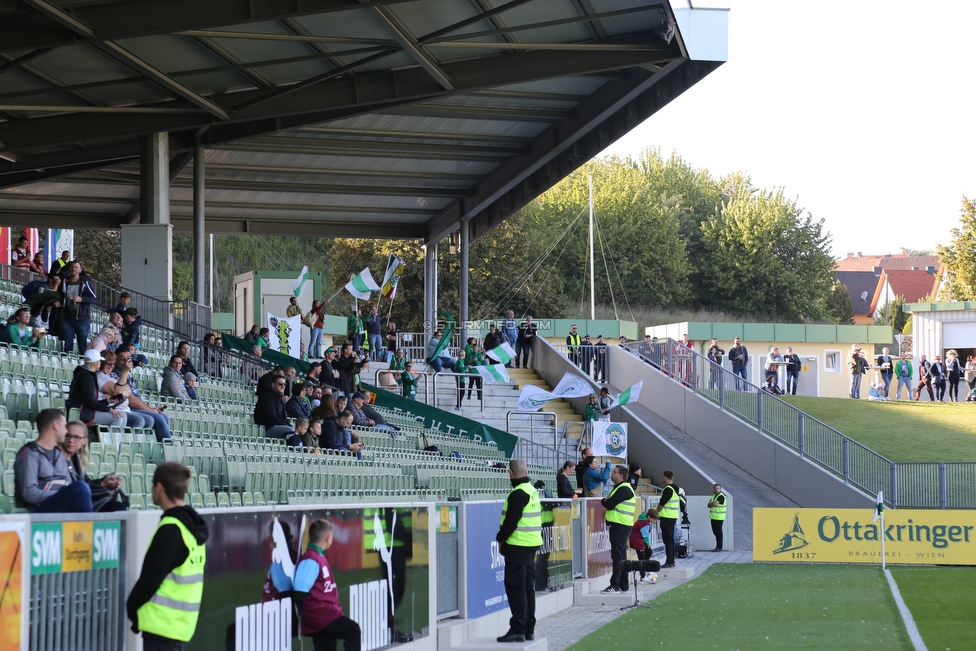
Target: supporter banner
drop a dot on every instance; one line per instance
(13, 585)
(285, 335)
(74, 546)
(485, 563)
(5, 245)
(379, 559)
(598, 561)
(609, 439)
(851, 536)
(444, 421)
(554, 562)
(571, 386)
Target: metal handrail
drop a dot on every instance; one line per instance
(424, 376)
(518, 412)
(481, 391)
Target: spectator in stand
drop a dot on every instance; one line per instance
(523, 343)
(903, 373)
(103, 490)
(315, 342)
(108, 390)
(348, 365)
(885, 364)
(473, 357)
(586, 354)
(600, 356)
(443, 360)
(124, 363)
(408, 381)
(399, 360)
(593, 478)
(17, 333)
(312, 438)
(37, 264)
(298, 406)
(84, 394)
(270, 413)
(190, 385)
(327, 409)
(338, 436)
(460, 367)
(183, 350)
(312, 377)
(211, 356)
(107, 339)
(564, 488)
(739, 358)
(341, 403)
(858, 366)
(392, 334)
(173, 379)
(293, 308)
(263, 340)
(606, 402)
(573, 344)
(593, 410)
(329, 376)
(355, 326)
(793, 366)
(511, 332)
(636, 472)
(60, 263)
(116, 321)
(20, 256)
(132, 331)
(492, 340)
(580, 467)
(44, 299)
(42, 477)
(251, 336)
(374, 329)
(715, 354)
(78, 295)
(266, 380)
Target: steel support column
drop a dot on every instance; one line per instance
(199, 229)
(463, 282)
(430, 288)
(154, 179)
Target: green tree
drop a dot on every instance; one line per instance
(762, 257)
(838, 308)
(893, 315)
(100, 253)
(959, 257)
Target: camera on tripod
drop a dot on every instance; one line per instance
(641, 566)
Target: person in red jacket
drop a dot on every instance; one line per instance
(318, 595)
(640, 536)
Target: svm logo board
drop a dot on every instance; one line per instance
(852, 536)
(74, 546)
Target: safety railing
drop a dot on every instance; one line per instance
(423, 377)
(459, 385)
(593, 360)
(917, 485)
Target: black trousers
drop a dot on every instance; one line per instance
(520, 588)
(619, 537)
(341, 629)
(153, 642)
(472, 383)
(667, 533)
(717, 531)
(644, 555)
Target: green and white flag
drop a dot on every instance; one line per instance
(504, 353)
(630, 395)
(394, 269)
(879, 506)
(362, 285)
(493, 373)
(572, 386)
(299, 283)
(532, 398)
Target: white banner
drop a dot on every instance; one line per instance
(285, 335)
(609, 439)
(571, 386)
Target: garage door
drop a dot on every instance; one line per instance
(959, 335)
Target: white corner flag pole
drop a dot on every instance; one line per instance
(879, 514)
(881, 533)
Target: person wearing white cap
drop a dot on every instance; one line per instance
(84, 394)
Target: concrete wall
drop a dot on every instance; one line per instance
(769, 461)
(653, 453)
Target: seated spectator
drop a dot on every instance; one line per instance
(327, 409)
(771, 386)
(183, 350)
(44, 299)
(301, 428)
(84, 393)
(124, 363)
(341, 402)
(131, 333)
(173, 379)
(124, 299)
(266, 380)
(312, 377)
(105, 490)
(311, 438)
(877, 392)
(107, 339)
(269, 412)
(593, 479)
(409, 381)
(329, 377)
(337, 436)
(359, 407)
(298, 406)
(17, 331)
(108, 389)
(251, 336)
(315, 397)
(348, 365)
(190, 385)
(441, 361)
(37, 264)
(116, 321)
(42, 478)
(398, 361)
(263, 340)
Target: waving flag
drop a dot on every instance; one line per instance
(493, 373)
(630, 395)
(572, 386)
(296, 286)
(504, 353)
(394, 269)
(362, 285)
(879, 507)
(532, 398)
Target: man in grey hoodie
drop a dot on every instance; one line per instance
(42, 479)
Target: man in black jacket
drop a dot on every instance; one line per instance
(519, 548)
(739, 358)
(793, 366)
(270, 413)
(493, 340)
(175, 560)
(348, 365)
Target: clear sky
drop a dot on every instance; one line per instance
(861, 110)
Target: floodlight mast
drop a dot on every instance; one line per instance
(592, 273)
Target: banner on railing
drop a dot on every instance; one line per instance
(485, 563)
(851, 536)
(58, 547)
(285, 335)
(14, 582)
(598, 561)
(609, 439)
(444, 421)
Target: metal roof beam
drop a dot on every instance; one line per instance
(351, 150)
(330, 100)
(122, 20)
(409, 43)
(301, 228)
(483, 15)
(126, 58)
(360, 144)
(418, 135)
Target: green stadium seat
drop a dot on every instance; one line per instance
(209, 501)
(223, 501)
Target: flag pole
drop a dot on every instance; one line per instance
(882, 536)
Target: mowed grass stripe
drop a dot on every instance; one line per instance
(765, 606)
(943, 602)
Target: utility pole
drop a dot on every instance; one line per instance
(592, 273)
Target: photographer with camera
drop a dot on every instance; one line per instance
(620, 504)
(858, 366)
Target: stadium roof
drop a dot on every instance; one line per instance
(385, 118)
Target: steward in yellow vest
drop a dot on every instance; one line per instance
(519, 537)
(165, 602)
(620, 504)
(669, 508)
(716, 514)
